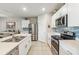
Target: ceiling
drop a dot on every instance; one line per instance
(32, 9)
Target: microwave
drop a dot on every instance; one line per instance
(62, 21)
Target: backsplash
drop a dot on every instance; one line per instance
(74, 29)
(58, 30)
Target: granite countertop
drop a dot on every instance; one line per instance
(70, 45)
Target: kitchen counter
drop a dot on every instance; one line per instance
(70, 45)
(5, 34)
(8, 37)
(6, 47)
(5, 38)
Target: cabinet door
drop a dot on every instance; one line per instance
(23, 47)
(53, 20)
(63, 10)
(28, 44)
(73, 14)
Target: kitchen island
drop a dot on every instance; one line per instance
(15, 47)
(6, 47)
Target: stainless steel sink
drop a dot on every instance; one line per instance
(15, 39)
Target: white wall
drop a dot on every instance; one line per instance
(43, 27)
(49, 29)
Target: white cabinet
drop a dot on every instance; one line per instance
(72, 9)
(28, 44)
(25, 23)
(22, 47)
(53, 20)
(73, 14)
(25, 46)
(61, 12)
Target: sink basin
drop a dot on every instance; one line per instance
(15, 39)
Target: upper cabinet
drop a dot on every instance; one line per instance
(73, 14)
(72, 10)
(25, 23)
(61, 12)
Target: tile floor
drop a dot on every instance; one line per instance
(39, 48)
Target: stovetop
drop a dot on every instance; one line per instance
(56, 37)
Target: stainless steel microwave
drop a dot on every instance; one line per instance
(62, 21)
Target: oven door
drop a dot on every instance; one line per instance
(54, 46)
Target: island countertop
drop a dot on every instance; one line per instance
(70, 45)
(6, 47)
(8, 37)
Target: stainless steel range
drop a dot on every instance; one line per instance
(68, 35)
(55, 44)
(55, 41)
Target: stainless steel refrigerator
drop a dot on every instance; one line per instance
(33, 30)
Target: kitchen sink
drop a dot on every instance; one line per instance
(15, 39)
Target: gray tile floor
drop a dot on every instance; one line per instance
(39, 48)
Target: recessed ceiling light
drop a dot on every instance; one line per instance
(43, 9)
(24, 9)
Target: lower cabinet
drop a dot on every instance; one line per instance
(63, 51)
(22, 48)
(25, 46)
